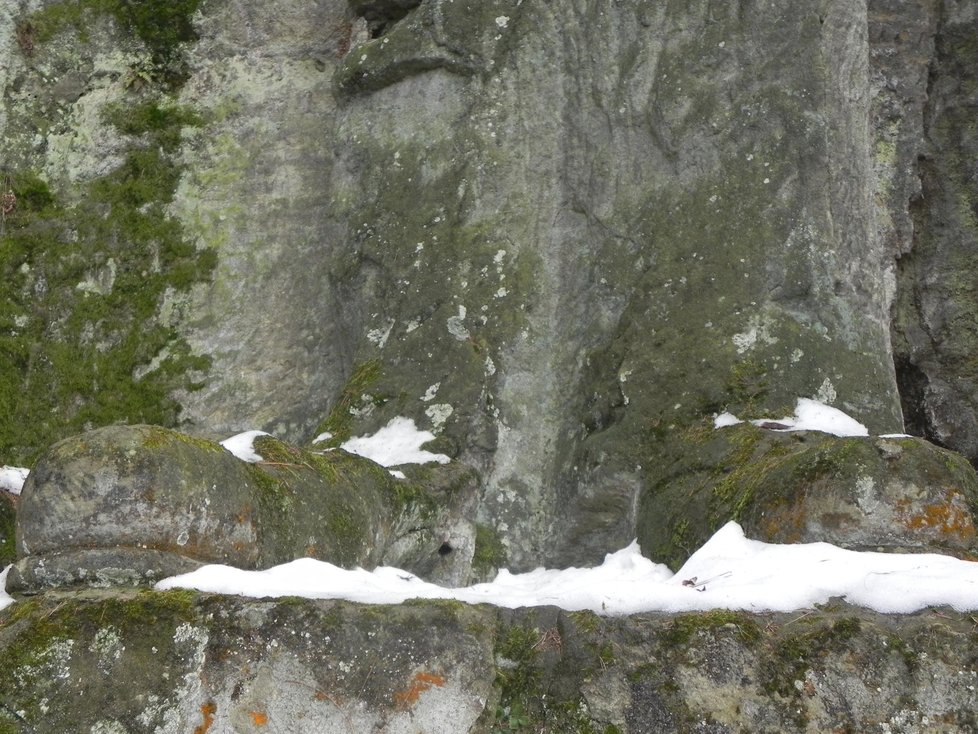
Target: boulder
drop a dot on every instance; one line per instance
(131, 504)
(170, 501)
(898, 494)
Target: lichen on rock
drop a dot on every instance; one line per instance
(133, 504)
(864, 493)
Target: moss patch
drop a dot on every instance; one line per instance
(83, 343)
(163, 26)
(682, 629)
(352, 401)
(490, 553)
(329, 506)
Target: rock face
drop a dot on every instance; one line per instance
(687, 203)
(561, 236)
(937, 307)
(322, 215)
(219, 665)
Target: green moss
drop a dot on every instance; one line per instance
(326, 505)
(158, 437)
(82, 344)
(160, 121)
(793, 655)
(518, 679)
(340, 420)
(748, 387)
(685, 626)
(44, 641)
(585, 620)
(410, 499)
(489, 554)
(738, 479)
(526, 658)
(164, 27)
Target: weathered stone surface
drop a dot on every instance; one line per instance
(140, 487)
(559, 263)
(936, 319)
(221, 665)
(132, 504)
(276, 320)
(550, 233)
(889, 494)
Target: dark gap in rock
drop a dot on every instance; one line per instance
(912, 386)
(445, 549)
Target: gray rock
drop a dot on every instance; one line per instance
(140, 487)
(223, 664)
(937, 309)
(8, 514)
(132, 504)
(886, 494)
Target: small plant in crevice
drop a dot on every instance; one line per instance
(511, 718)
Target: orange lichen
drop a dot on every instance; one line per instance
(208, 710)
(258, 718)
(947, 518)
(420, 683)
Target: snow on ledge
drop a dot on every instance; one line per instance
(397, 443)
(12, 478)
(5, 599)
(729, 572)
(810, 415)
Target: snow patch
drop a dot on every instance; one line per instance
(399, 442)
(242, 445)
(5, 599)
(12, 478)
(810, 415)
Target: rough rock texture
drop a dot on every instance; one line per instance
(593, 256)
(936, 316)
(419, 211)
(131, 504)
(560, 235)
(276, 320)
(8, 517)
(219, 665)
(889, 494)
